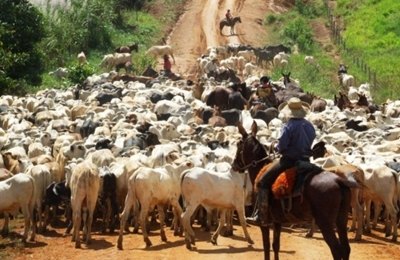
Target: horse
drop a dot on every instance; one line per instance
(326, 198)
(224, 22)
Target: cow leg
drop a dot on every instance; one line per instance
(89, 226)
(221, 223)
(242, 220)
(377, 211)
(76, 219)
(177, 213)
(84, 218)
(368, 216)
(229, 225)
(5, 230)
(129, 201)
(143, 221)
(27, 219)
(358, 214)
(161, 216)
(186, 217)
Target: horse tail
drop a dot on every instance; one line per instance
(348, 181)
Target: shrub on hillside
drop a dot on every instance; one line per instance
(21, 28)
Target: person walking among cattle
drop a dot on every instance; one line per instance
(294, 145)
(167, 66)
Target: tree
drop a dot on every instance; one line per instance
(21, 29)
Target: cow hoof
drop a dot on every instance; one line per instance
(357, 238)
(250, 241)
(309, 234)
(214, 241)
(77, 245)
(148, 242)
(163, 238)
(4, 232)
(394, 239)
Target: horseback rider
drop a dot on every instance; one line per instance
(294, 145)
(264, 93)
(228, 16)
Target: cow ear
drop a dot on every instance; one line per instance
(254, 128)
(241, 129)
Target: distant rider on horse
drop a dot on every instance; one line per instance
(228, 16)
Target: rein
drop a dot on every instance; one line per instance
(253, 163)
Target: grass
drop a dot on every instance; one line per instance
(375, 40)
(146, 27)
(372, 33)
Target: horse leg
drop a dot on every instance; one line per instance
(276, 240)
(311, 231)
(341, 224)
(266, 243)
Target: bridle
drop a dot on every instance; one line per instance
(253, 163)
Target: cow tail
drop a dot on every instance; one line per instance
(32, 202)
(396, 190)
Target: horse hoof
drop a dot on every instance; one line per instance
(214, 242)
(357, 238)
(148, 242)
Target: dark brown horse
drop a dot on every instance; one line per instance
(326, 198)
(224, 22)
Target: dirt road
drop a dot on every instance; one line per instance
(195, 31)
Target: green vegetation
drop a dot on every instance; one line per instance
(53, 36)
(372, 34)
(293, 29)
(21, 29)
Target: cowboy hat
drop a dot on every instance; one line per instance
(294, 108)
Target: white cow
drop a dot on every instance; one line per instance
(153, 187)
(43, 178)
(84, 181)
(212, 190)
(19, 192)
(382, 183)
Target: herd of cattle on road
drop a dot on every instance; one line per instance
(120, 148)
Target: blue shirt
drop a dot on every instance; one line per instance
(296, 139)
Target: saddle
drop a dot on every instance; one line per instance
(290, 183)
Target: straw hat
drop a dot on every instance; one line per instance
(294, 108)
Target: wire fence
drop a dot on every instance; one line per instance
(351, 54)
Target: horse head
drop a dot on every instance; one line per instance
(251, 155)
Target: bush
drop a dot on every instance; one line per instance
(271, 19)
(77, 74)
(300, 33)
(21, 28)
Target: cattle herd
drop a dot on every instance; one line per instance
(124, 151)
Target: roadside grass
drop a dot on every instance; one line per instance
(376, 40)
